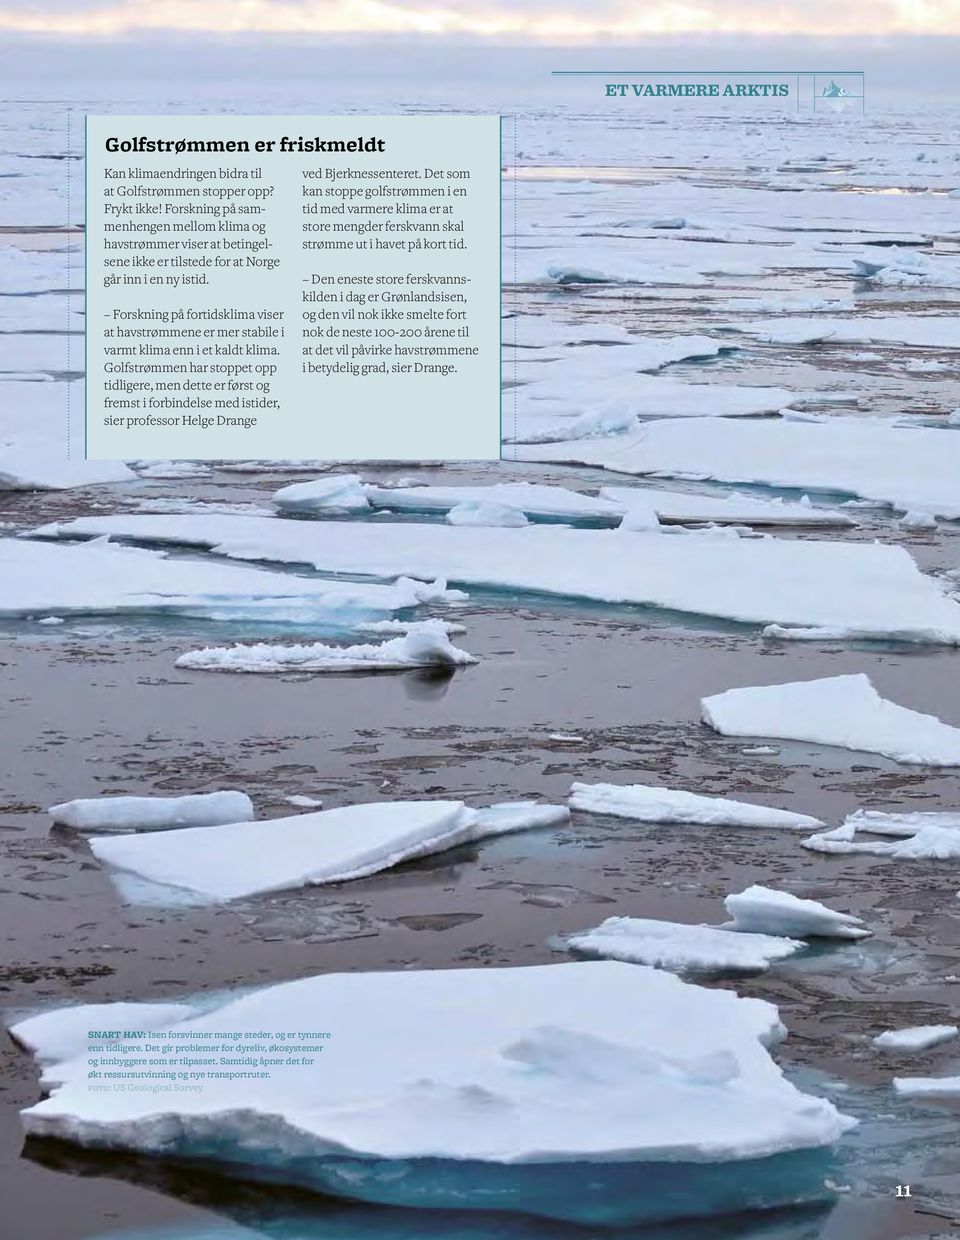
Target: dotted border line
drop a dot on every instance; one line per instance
(516, 295)
(69, 284)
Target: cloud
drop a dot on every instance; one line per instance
(535, 21)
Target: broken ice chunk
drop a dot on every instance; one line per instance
(423, 645)
(668, 805)
(764, 910)
(480, 514)
(916, 1038)
(671, 945)
(337, 493)
(330, 846)
(835, 710)
(120, 813)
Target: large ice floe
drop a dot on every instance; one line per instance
(423, 645)
(35, 453)
(331, 846)
(835, 710)
(668, 805)
(680, 948)
(102, 577)
(597, 1092)
(121, 813)
(868, 590)
(911, 469)
(762, 910)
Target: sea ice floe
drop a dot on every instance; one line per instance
(917, 521)
(594, 363)
(900, 822)
(927, 1086)
(479, 514)
(42, 466)
(537, 331)
(911, 469)
(337, 493)
(916, 1038)
(723, 509)
(869, 589)
(39, 271)
(552, 1087)
(544, 502)
(835, 710)
(55, 1037)
(331, 846)
(764, 910)
(929, 843)
(36, 453)
(395, 627)
(574, 409)
(919, 330)
(529, 498)
(423, 645)
(121, 813)
(102, 577)
(679, 948)
(669, 805)
(172, 470)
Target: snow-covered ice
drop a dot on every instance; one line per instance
(531, 499)
(394, 627)
(835, 710)
(723, 509)
(38, 466)
(331, 846)
(929, 843)
(901, 822)
(423, 645)
(479, 514)
(122, 813)
(670, 805)
(34, 454)
(927, 1086)
(870, 589)
(173, 471)
(916, 1038)
(576, 408)
(103, 577)
(537, 331)
(910, 469)
(764, 910)
(919, 330)
(679, 948)
(588, 1067)
(539, 501)
(337, 493)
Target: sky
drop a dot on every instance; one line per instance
(553, 22)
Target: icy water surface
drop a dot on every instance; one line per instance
(96, 706)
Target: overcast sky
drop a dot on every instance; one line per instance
(539, 21)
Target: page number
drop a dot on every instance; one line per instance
(903, 1190)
